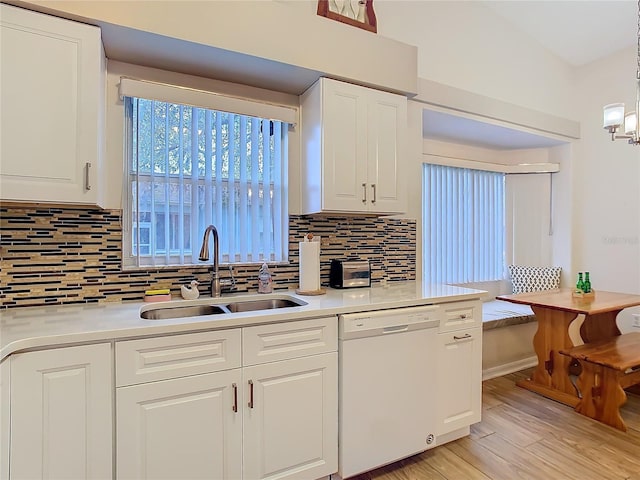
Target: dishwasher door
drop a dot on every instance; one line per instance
(386, 379)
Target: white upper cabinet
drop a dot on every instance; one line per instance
(52, 96)
(353, 149)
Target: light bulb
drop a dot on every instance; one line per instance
(630, 123)
(613, 115)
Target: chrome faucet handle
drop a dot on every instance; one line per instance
(233, 279)
(229, 283)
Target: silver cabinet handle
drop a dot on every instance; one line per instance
(373, 187)
(364, 193)
(87, 184)
(235, 397)
(250, 404)
(466, 335)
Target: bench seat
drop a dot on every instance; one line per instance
(608, 367)
(498, 313)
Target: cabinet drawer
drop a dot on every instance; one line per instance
(270, 343)
(458, 315)
(162, 358)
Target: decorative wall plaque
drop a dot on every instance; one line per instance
(357, 13)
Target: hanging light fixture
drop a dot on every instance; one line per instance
(614, 116)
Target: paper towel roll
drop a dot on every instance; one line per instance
(309, 266)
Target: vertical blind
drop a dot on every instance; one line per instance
(464, 224)
(190, 167)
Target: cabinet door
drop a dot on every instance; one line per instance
(344, 148)
(61, 413)
(52, 95)
(291, 421)
(187, 427)
(459, 379)
(387, 126)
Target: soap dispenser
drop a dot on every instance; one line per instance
(264, 280)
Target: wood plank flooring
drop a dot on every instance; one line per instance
(523, 435)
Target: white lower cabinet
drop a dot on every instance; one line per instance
(181, 428)
(459, 379)
(275, 418)
(61, 414)
(291, 420)
(252, 403)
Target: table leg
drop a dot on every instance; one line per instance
(600, 326)
(603, 395)
(551, 376)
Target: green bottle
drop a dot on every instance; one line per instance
(580, 284)
(587, 283)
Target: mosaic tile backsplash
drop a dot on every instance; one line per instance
(55, 256)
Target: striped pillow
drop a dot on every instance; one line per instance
(534, 279)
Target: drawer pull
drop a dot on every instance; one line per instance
(465, 336)
(250, 404)
(463, 316)
(235, 397)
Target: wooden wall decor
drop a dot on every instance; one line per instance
(357, 13)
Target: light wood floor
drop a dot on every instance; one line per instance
(525, 436)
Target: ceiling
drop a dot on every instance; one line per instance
(577, 31)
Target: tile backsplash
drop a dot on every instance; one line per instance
(54, 256)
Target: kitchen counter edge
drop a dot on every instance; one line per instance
(31, 328)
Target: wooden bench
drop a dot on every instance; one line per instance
(608, 367)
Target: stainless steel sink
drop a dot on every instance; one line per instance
(180, 312)
(266, 304)
(247, 305)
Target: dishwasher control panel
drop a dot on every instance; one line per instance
(382, 322)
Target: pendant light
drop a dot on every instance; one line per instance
(614, 116)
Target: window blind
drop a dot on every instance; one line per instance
(464, 224)
(134, 88)
(190, 167)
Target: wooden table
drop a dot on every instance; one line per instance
(555, 311)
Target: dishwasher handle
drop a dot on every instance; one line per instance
(395, 329)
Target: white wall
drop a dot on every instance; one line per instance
(562, 212)
(528, 219)
(607, 182)
(466, 45)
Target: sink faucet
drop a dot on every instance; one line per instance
(204, 256)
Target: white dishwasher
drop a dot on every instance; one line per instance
(387, 373)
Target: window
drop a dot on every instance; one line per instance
(464, 225)
(189, 167)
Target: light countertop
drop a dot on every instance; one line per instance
(50, 326)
